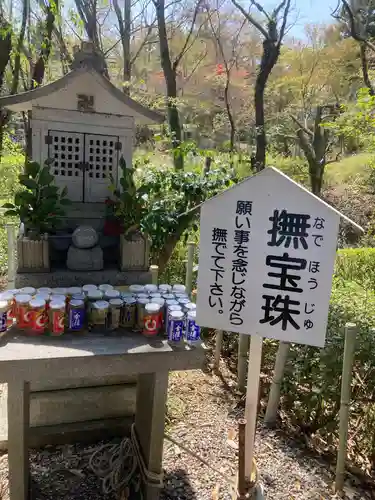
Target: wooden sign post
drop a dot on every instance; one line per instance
(266, 259)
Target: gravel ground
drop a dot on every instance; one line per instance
(202, 415)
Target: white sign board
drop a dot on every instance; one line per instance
(266, 258)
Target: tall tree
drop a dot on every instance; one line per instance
(358, 18)
(229, 59)
(170, 66)
(273, 31)
(124, 21)
(316, 144)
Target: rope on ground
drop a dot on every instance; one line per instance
(116, 465)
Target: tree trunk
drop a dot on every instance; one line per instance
(126, 45)
(5, 51)
(270, 55)
(364, 64)
(124, 25)
(45, 50)
(171, 84)
(229, 113)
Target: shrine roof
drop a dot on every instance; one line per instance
(24, 101)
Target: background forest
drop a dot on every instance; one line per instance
(238, 92)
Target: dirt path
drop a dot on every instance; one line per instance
(202, 415)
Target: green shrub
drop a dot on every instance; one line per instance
(357, 265)
(311, 395)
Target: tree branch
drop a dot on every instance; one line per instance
(285, 18)
(352, 27)
(302, 127)
(251, 20)
(187, 39)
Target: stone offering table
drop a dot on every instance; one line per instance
(25, 360)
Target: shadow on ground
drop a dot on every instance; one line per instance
(177, 486)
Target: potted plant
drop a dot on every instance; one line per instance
(39, 204)
(124, 216)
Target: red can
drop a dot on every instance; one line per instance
(38, 316)
(57, 318)
(152, 323)
(23, 311)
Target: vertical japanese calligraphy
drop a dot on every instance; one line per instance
(240, 262)
(219, 246)
(289, 231)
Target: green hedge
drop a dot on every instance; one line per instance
(357, 265)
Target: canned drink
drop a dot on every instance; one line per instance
(176, 326)
(73, 290)
(4, 308)
(79, 296)
(114, 313)
(111, 294)
(192, 331)
(38, 316)
(98, 314)
(141, 308)
(23, 316)
(151, 322)
(161, 302)
(59, 291)
(128, 312)
(28, 290)
(190, 306)
(57, 318)
(105, 287)
(168, 296)
(143, 296)
(150, 288)
(179, 289)
(76, 315)
(136, 289)
(170, 308)
(8, 296)
(183, 302)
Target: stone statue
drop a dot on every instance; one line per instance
(85, 254)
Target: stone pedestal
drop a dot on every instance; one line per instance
(66, 278)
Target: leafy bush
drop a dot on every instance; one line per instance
(357, 265)
(311, 395)
(11, 165)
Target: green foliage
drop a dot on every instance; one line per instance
(129, 205)
(171, 195)
(40, 204)
(11, 166)
(357, 265)
(311, 395)
(356, 124)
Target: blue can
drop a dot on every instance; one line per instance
(176, 326)
(76, 318)
(193, 331)
(170, 308)
(3, 321)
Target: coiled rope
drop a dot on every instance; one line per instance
(117, 465)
